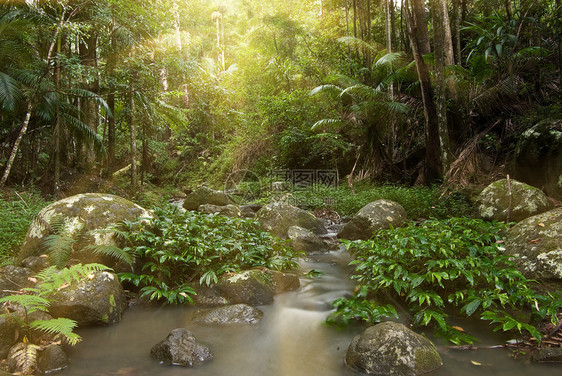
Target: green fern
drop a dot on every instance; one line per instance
(120, 254)
(25, 355)
(59, 244)
(59, 326)
(52, 279)
(31, 303)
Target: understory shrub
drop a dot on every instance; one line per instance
(419, 202)
(16, 212)
(441, 268)
(179, 247)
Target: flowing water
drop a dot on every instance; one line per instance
(290, 340)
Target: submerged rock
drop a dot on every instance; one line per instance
(525, 201)
(52, 359)
(253, 287)
(234, 314)
(278, 217)
(80, 215)
(181, 348)
(99, 300)
(548, 354)
(535, 246)
(391, 349)
(377, 215)
(204, 195)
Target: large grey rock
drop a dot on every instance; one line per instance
(52, 359)
(96, 300)
(305, 240)
(377, 215)
(391, 349)
(252, 287)
(81, 213)
(204, 195)
(279, 216)
(181, 348)
(535, 245)
(8, 329)
(493, 202)
(226, 210)
(13, 278)
(538, 157)
(233, 314)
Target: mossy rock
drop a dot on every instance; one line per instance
(98, 300)
(228, 315)
(494, 201)
(391, 349)
(181, 348)
(377, 215)
(204, 195)
(538, 157)
(8, 329)
(535, 245)
(229, 210)
(82, 215)
(278, 217)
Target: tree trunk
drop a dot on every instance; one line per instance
(420, 24)
(440, 38)
(58, 125)
(88, 56)
(456, 20)
(133, 131)
(445, 23)
(16, 146)
(418, 40)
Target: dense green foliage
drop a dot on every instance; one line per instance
(439, 269)
(179, 248)
(16, 212)
(419, 202)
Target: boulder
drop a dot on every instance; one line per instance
(52, 359)
(227, 210)
(81, 215)
(204, 195)
(96, 300)
(250, 210)
(493, 202)
(391, 349)
(13, 278)
(306, 241)
(548, 354)
(252, 287)
(181, 348)
(279, 216)
(8, 338)
(377, 215)
(233, 314)
(535, 245)
(538, 157)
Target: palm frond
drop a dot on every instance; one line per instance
(326, 88)
(390, 59)
(80, 128)
(327, 123)
(358, 43)
(83, 93)
(10, 92)
(499, 96)
(365, 92)
(60, 326)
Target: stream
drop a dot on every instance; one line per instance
(290, 340)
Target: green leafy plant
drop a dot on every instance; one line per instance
(178, 248)
(438, 267)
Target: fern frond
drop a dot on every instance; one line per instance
(10, 93)
(60, 326)
(31, 303)
(75, 273)
(26, 357)
(59, 248)
(121, 254)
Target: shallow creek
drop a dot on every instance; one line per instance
(290, 340)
